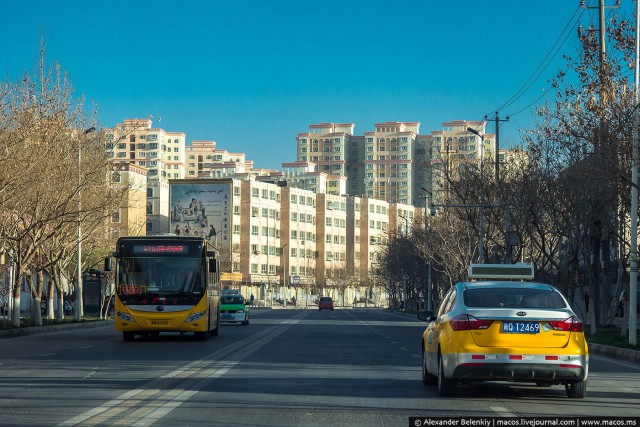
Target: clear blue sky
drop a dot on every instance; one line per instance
(251, 74)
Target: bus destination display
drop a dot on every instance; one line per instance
(160, 249)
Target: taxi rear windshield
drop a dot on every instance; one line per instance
(512, 298)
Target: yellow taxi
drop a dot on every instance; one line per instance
(504, 330)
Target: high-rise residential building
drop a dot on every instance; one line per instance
(394, 162)
(390, 161)
(454, 145)
(136, 142)
(335, 152)
(382, 164)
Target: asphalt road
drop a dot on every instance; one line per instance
(352, 367)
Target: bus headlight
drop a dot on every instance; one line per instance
(124, 316)
(195, 316)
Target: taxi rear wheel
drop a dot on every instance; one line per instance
(427, 378)
(446, 386)
(577, 389)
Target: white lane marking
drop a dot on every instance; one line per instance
(502, 411)
(140, 405)
(47, 354)
(417, 356)
(404, 348)
(87, 346)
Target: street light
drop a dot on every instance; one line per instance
(79, 305)
(432, 211)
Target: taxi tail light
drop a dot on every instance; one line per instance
(570, 324)
(466, 322)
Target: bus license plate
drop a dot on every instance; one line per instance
(160, 322)
(521, 327)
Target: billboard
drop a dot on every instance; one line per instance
(202, 208)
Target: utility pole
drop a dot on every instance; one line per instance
(497, 155)
(633, 253)
(600, 235)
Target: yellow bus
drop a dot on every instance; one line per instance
(166, 283)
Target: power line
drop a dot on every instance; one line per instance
(542, 66)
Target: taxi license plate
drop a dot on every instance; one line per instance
(160, 322)
(521, 327)
(226, 316)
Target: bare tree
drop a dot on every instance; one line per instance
(42, 131)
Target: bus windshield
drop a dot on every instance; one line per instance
(160, 280)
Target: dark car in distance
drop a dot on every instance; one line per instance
(325, 303)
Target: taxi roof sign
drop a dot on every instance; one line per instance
(518, 271)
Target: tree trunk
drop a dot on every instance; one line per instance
(37, 299)
(50, 294)
(15, 311)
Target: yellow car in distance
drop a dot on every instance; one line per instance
(503, 330)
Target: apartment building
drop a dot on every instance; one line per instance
(453, 145)
(131, 218)
(137, 142)
(260, 237)
(203, 160)
(299, 238)
(316, 226)
(289, 241)
(326, 144)
(394, 162)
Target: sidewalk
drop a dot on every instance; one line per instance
(32, 330)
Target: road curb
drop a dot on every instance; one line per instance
(32, 330)
(618, 353)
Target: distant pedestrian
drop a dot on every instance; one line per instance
(251, 299)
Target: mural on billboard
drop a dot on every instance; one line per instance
(203, 210)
